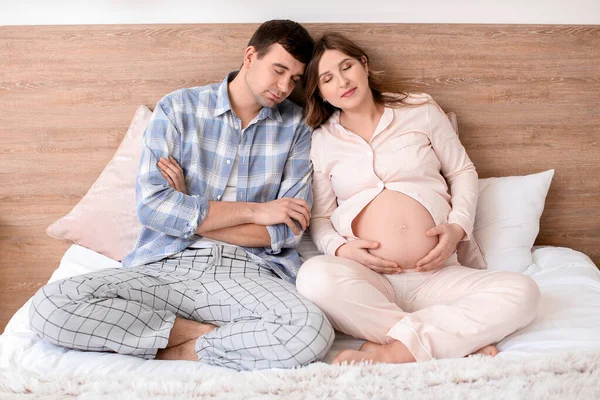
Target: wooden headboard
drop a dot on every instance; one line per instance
(527, 99)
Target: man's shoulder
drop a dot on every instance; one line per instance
(291, 113)
(193, 96)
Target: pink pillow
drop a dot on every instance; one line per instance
(105, 219)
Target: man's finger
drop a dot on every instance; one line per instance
(169, 180)
(299, 202)
(292, 226)
(300, 218)
(303, 211)
(174, 162)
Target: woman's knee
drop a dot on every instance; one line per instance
(316, 280)
(524, 293)
(529, 296)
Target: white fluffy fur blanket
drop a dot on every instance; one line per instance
(560, 376)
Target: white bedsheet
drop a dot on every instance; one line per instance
(568, 320)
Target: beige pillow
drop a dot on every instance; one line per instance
(105, 219)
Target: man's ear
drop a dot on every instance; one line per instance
(250, 56)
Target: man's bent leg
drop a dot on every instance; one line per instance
(264, 322)
(126, 311)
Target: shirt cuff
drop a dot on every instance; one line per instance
(282, 236)
(199, 215)
(334, 245)
(464, 222)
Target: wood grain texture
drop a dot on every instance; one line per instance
(527, 99)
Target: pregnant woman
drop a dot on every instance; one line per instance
(394, 193)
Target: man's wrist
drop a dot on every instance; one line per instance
(250, 212)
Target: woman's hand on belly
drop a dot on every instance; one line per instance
(449, 236)
(358, 250)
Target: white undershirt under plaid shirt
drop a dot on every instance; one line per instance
(198, 128)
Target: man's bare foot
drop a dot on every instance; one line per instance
(393, 353)
(184, 351)
(489, 350)
(185, 330)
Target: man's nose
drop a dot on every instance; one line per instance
(283, 86)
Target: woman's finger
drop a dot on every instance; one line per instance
(380, 262)
(432, 255)
(432, 265)
(387, 271)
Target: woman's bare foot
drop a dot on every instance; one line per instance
(184, 351)
(393, 353)
(369, 347)
(489, 350)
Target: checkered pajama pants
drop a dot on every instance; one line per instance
(262, 320)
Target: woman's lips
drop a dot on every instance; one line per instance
(349, 93)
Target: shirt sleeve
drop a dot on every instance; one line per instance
(160, 207)
(296, 183)
(326, 238)
(457, 168)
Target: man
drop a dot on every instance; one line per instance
(211, 277)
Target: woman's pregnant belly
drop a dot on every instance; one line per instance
(398, 223)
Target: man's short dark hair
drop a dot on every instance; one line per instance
(292, 36)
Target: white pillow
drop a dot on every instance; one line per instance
(506, 223)
(508, 219)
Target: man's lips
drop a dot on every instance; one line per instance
(349, 92)
(274, 96)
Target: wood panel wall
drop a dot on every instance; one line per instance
(527, 99)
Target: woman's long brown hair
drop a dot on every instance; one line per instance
(317, 111)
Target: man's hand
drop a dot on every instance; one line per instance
(172, 173)
(358, 250)
(449, 236)
(282, 211)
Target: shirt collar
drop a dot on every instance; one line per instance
(223, 104)
(386, 118)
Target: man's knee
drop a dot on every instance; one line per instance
(314, 338)
(42, 310)
(47, 314)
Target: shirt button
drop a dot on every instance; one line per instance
(369, 153)
(219, 197)
(380, 185)
(228, 162)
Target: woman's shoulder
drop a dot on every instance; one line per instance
(409, 98)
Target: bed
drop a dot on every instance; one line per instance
(526, 99)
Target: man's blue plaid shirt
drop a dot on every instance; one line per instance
(198, 128)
